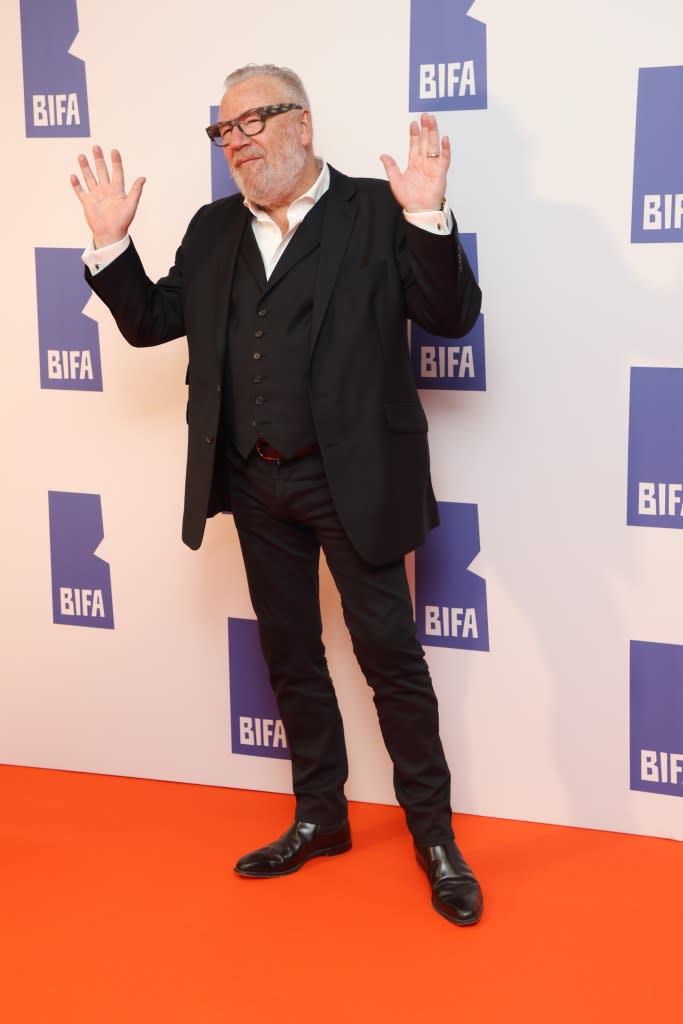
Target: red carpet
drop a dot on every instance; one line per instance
(119, 904)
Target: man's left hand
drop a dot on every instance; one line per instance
(422, 186)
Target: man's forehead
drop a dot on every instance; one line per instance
(254, 92)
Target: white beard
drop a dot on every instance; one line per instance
(270, 179)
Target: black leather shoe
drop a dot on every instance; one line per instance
(300, 843)
(455, 891)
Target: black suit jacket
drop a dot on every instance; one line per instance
(375, 272)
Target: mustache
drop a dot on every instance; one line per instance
(245, 154)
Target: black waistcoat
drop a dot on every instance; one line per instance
(269, 341)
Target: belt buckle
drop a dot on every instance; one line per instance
(261, 453)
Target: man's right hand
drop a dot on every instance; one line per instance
(108, 209)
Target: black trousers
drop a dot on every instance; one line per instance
(284, 514)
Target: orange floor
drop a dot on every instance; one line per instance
(119, 904)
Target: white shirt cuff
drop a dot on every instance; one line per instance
(439, 222)
(97, 259)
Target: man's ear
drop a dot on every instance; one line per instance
(306, 127)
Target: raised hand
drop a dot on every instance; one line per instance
(108, 209)
(422, 186)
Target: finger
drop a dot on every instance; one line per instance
(446, 152)
(430, 123)
(100, 165)
(429, 135)
(117, 171)
(438, 148)
(77, 187)
(414, 148)
(88, 176)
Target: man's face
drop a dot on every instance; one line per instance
(267, 167)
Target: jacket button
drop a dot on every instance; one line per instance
(258, 334)
(209, 439)
(218, 388)
(257, 355)
(259, 400)
(262, 312)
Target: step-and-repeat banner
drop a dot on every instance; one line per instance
(549, 600)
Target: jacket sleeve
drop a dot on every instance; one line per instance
(440, 290)
(146, 313)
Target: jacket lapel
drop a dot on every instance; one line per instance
(220, 264)
(303, 242)
(338, 221)
(252, 258)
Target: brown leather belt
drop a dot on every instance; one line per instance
(270, 454)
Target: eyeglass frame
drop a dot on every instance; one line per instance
(214, 130)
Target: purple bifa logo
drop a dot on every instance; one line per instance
(657, 718)
(222, 181)
(81, 582)
(68, 339)
(655, 448)
(657, 213)
(256, 727)
(450, 599)
(55, 93)
(447, 365)
(447, 56)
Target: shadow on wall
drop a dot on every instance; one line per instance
(565, 321)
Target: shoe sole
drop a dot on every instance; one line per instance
(456, 920)
(331, 851)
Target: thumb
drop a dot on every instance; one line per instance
(135, 193)
(389, 163)
(390, 166)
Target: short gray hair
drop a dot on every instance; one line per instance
(294, 87)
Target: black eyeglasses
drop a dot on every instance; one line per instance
(251, 122)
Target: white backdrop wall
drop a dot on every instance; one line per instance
(538, 727)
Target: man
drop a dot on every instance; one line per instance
(304, 421)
